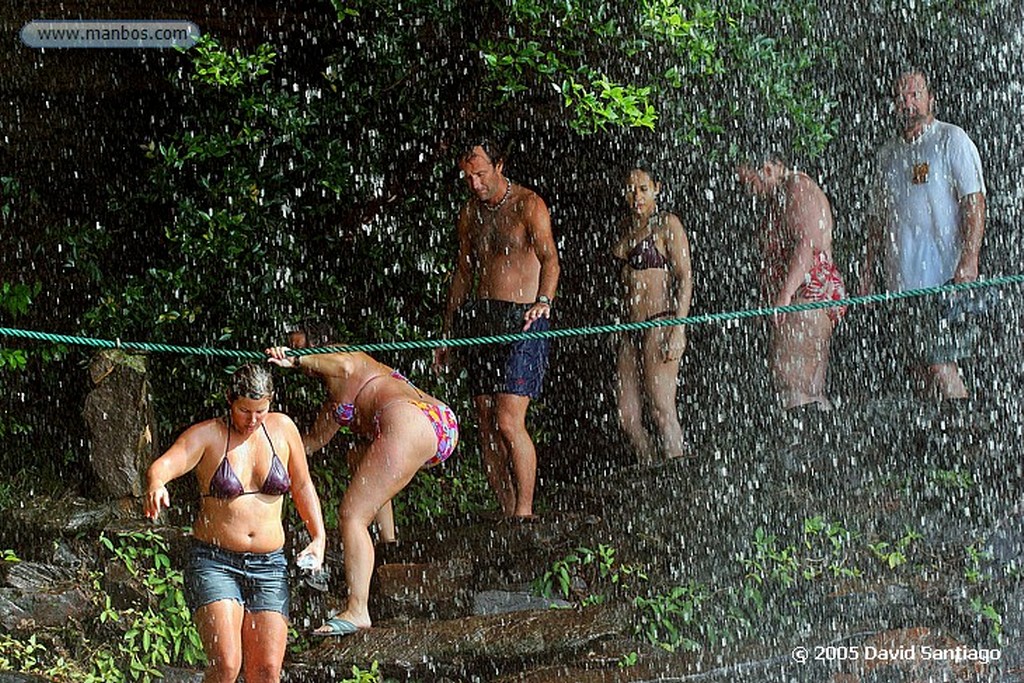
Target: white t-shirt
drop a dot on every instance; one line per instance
(920, 187)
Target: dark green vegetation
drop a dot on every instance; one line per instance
(280, 182)
(276, 188)
(269, 182)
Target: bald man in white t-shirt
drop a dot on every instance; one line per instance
(928, 220)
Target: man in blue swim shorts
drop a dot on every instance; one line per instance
(504, 283)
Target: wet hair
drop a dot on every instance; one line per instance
(912, 70)
(317, 333)
(761, 137)
(494, 151)
(250, 381)
(650, 169)
(758, 150)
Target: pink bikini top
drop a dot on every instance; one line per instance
(225, 483)
(345, 413)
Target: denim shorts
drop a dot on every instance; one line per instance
(256, 581)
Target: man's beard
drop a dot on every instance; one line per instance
(910, 120)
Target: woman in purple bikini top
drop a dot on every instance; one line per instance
(234, 529)
(657, 283)
(225, 483)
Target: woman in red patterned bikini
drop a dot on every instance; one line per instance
(797, 267)
(658, 283)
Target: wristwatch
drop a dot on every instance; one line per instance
(541, 299)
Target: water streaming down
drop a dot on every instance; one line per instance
(896, 530)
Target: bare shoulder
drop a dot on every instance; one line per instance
(333, 364)
(210, 427)
(280, 422)
(803, 186)
(279, 419)
(530, 203)
(672, 228)
(671, 223)
(203, 435)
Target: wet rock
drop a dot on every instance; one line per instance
(409, 591)
(504, 602)
(1013, 630)
(177, 675)
(35, 576)
(7, 677)
(40, 596)
(859, 605)
(48, 521)
(479, 643)
(125, 590)
(503, 553)
(915, 654)
(71, 554)
(119, 416)
(1004, 547)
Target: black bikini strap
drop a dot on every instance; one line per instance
(273, 453)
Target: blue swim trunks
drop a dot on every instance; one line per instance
(517, 368)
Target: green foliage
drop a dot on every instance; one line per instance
(894, 553)
(628, 660)
(973, 566)
(16, 299)
(824, 551)
(10, 188)
(827, 549)
(436, 494)
(371, 675)
(578, 575)
(231, 69)
(955, 479)
(988, 611)
(770, 562)
(16, 302)
(160, 633)
(32, 656)
(665, 616)
(229, 204)
(640, 67)
(692, 617)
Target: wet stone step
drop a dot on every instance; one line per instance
(428, 650)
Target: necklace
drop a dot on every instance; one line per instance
(508, 191)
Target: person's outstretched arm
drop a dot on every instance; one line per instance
(179, 459)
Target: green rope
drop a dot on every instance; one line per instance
(510, 338)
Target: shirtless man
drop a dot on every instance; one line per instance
(504, 282)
